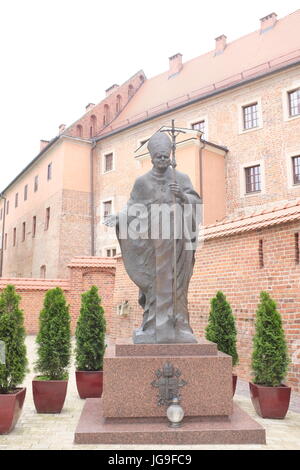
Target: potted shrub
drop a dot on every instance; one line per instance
(90, 345)
(13, 363)
(270, 397)
(54, 353)
(222, 331)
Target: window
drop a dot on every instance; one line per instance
(296, 169)
(261, 253)
(106, 115)
(110, 252)
(47, 218)
(108, 162)
(33, 226)
(15, 237)
(118, 104)
(7, 207)
(130, 91)
(93, 126)
(36, 183)
(79, 130)
(250, 116)
(23, 231)
(16, 199)
(43, 271)
(253, 179)
(294, 102)
(297, 248)
(107, 208)
(25, 192)
(49, 172)
(199, 126)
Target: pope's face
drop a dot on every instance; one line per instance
(161, 160)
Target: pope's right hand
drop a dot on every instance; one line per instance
(111, 220)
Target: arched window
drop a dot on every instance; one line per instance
(106, 115)
(79, 130)
(43, 271)
(130, 91)
(93, 125)
(119, 103)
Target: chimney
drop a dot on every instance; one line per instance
(268, 22)
(89, 107)
(220, 44)
(43, 144)
(111, 89)
(61, 128)
(175, 63)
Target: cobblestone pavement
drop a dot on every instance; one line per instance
(46, 431)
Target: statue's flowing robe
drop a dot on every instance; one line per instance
(149, 261)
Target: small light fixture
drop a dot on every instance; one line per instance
(175, 413)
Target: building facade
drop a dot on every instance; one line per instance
(243, 97)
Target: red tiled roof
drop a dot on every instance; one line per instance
(252, 55)
(284, 212)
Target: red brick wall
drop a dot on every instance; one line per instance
(231, 264)
(32, 293)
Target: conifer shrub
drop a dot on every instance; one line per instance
(54, 337)
(90, 332)
(221, 326)
(270, 356)
(12, 333)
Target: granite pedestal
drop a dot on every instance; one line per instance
(128, 412)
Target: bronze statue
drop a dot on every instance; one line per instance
(150, 241)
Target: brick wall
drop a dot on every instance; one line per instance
(81, 277)
(231, 264)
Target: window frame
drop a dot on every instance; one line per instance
(241, 106)
(200, 119)
(103, 160)
(242, 177)
(289, 93)
(47, 218)
(36, 183)
(49, 171)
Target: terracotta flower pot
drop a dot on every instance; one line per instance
(11, 405)
(49, 395)
(234, 381)
(89, 383)
(270, 402)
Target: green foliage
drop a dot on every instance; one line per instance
(12, 333)
(90, 332)
(221, 326)
(270, 357)
(54, 337)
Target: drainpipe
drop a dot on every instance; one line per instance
(201, 164)
(3, 230)
(94, 143)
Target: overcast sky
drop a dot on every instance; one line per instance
(57, 56)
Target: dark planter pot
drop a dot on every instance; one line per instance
(89, 383)
(234, 381)
(270, 402)
(49, 395)
(11, 405)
